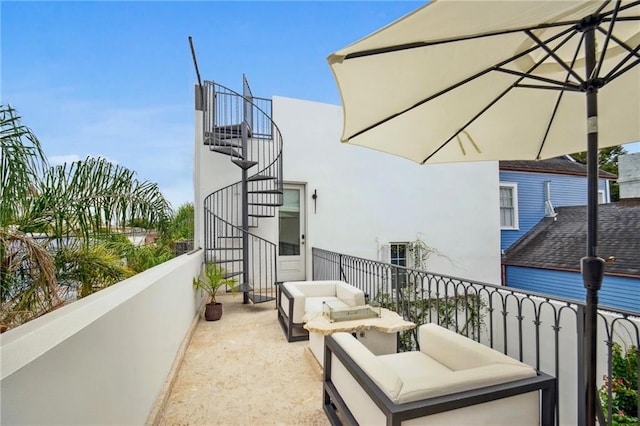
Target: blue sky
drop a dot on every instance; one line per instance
(115, 79)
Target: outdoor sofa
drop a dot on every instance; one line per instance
(300, 301)
(451, 380)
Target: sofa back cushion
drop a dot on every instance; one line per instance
(439, 384)
(314, 306)
(458, 352)
(349, 294)
(316, 288)
(376, 369)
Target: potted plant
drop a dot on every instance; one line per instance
(213, 277)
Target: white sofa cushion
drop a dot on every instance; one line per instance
(413, 376)
(421, 387)
(313, 306)
(386, 379)
(318, 291)
(313, 288)
(413, 364)
(349, 294)
(458, 352)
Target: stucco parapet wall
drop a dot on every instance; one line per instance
(24, 344)
(388, 322)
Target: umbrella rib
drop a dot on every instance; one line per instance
(632, 53)
(614, 15)
(541, 87)
(559, 99)
(553, 54)
(419, 44)
(566, 85)
(624, 18)
(622, 71)
(468, 123)
(463, 82)
(622, 43)
(516, 84)
(601, 8)
(560, 85)
(620, 9)
(550, 52)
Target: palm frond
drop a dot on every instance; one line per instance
(87, 197)
(28, 284)
(22, 161)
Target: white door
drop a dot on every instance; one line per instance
(292, 228)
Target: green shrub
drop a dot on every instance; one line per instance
(623, 386)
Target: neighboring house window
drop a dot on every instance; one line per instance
(398, 256)
(508, 205)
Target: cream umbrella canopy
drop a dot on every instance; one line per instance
(501, 80)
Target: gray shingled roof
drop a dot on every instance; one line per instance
(559, 165)
(560, 243)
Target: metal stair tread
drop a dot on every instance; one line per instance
(260, 215)
(227, 260)
(260, 298)
(266, 191)
(230, 131)
(265, 204)
(226, 151)
(231, 274)
(260, 177)
(244, 164)
(243, 288)
(229, 236)
(222, 143)
(224, 248)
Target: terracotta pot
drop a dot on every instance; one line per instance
(213, 311)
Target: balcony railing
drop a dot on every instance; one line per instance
(538, 329)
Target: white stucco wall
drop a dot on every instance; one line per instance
(367, 199)
(103, 359)
(212, 171)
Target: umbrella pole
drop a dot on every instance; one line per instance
(591, 265)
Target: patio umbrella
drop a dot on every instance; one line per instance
(501, 80)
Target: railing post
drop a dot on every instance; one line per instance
(245, 195)
(581, 373)
(395, 279)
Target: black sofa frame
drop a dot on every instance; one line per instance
(339, 414)
(295, 332)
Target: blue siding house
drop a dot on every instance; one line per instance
(535, 188)
(617, 291)
(543, 232)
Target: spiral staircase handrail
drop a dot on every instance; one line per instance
(260, 154)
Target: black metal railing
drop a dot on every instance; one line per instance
(240, 126)
(538, 329)
(223, 123)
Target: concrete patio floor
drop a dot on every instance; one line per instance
(241, 371)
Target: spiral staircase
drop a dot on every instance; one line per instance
(240, 127)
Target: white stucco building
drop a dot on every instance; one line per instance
(362, 202)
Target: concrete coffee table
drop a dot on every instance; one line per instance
(379, 335)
